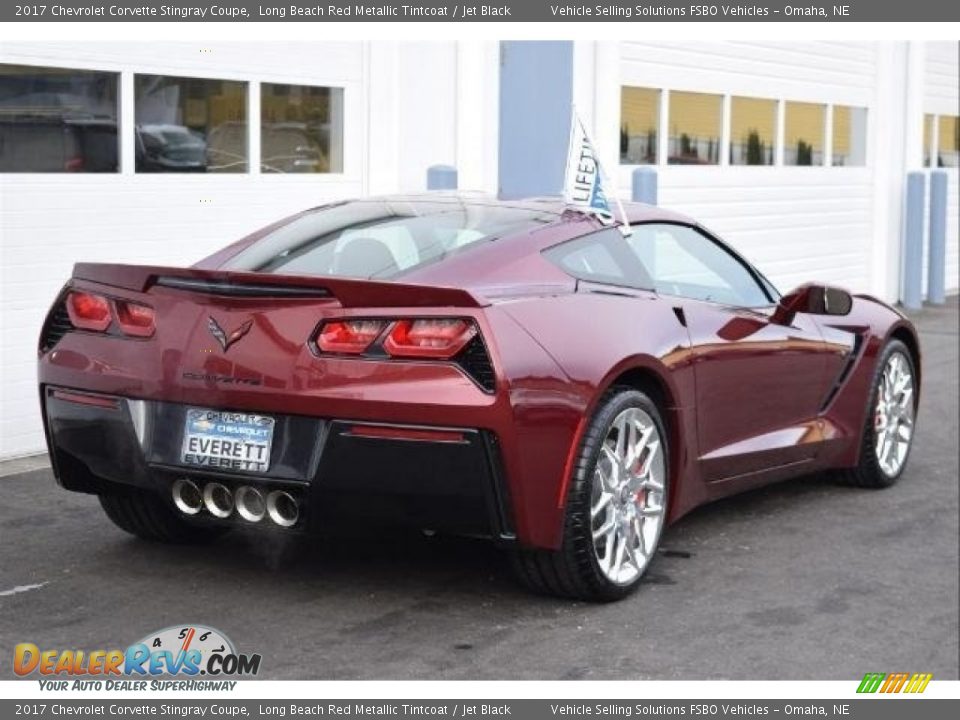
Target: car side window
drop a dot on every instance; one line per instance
(683, 261)
(601, 257)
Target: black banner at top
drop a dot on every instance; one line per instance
(471, 11)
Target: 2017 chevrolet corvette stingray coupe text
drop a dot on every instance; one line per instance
(511, 370)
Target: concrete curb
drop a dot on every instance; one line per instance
(28, 463)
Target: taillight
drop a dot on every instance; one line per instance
(135, 320)
(439, 338)
(349, 336)
(88, 311)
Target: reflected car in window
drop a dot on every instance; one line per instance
(512, 370)
(170, 148)
(289, 148)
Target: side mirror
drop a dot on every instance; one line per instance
(813, 300)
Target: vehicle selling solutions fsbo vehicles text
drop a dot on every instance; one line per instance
(695, 10)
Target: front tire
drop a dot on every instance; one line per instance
(891, 413)
(616, 505)
(146, 515)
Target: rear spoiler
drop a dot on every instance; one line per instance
(349, 293)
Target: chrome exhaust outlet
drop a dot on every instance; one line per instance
(283, 508)
(187, 496)
(250, 504)
(218, 500)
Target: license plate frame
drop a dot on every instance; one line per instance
(227, 440)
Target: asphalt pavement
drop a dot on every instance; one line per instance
(803, 580)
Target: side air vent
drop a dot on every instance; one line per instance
(475, 361)
(844, 373)
(58, 324)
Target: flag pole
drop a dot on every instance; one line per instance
(624, 222)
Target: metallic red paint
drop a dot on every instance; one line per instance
(748, 398)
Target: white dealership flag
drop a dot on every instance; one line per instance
(583, 185)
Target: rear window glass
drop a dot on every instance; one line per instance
(381, 239)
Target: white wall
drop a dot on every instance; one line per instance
(429, 137)
(400, 117)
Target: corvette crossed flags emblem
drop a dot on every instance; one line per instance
(227, 340)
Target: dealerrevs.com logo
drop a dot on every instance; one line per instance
(185, 651)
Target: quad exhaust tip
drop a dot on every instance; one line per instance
(283, 508)
(187, 496)
(250, 503)
(218, 500)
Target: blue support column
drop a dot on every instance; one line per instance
(912, 293)
(536, 98)
(937, 247)
(644, 185)
(441, 177)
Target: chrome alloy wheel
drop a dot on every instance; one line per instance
(628, 496)
(894, 414)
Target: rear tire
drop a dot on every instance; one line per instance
(616, 506)
(146, 515)
(890, 417)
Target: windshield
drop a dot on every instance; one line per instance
(381, 239)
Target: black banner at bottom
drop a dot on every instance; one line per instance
(873, 708)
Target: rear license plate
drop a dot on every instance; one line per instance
(227, 440)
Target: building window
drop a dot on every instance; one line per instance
(301, 129)
(948, 141)
(803, 133)
(694, 120)
(928, 121)
(57, 120)
(753, 131)
(849, 135)
(190, 124)
(639, 124)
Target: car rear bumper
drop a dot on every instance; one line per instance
(448, 479)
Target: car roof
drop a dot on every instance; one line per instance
(555, 204)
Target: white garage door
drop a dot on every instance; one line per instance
(50, 220)
(797, 223)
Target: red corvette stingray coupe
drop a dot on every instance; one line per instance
(512, 370)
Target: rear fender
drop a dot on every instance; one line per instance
(594, 339)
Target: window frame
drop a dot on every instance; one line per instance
(775, 129)
(826, 134)
(246, 86)
(832, 134)
(658, 129)
(723, 143)
(258, 144)
(768, 289)
(80, 67)
(597, 279)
